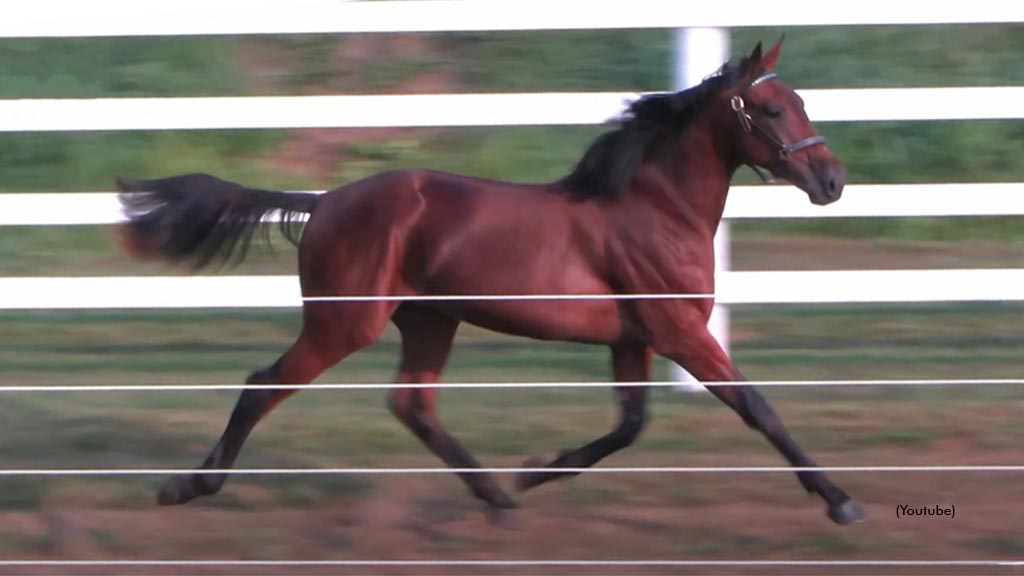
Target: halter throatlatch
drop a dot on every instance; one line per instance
(749, 126)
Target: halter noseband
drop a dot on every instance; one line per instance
(748, 125)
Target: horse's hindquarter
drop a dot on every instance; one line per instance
(357, 237)
(491, 238)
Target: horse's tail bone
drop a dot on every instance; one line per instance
(195, 219)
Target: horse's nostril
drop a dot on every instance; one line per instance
(835, 188)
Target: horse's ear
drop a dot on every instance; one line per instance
(755, 56)
(750, 66)
(772, 57)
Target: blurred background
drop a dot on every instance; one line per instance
(633, 516)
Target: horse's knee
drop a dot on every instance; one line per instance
(407, 406)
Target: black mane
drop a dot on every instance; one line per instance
(606, 168)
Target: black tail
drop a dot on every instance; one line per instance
(197, 218)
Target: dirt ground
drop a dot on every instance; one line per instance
(597, 517)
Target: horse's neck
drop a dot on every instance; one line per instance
(691, 181)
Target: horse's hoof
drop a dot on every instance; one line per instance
(526, 480)
(849, 512)
(183, 488)
(177, 490)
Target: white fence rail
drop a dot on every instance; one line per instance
(420, 110)
(269, 291)
(61, 18)
(859, 201)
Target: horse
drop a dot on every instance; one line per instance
(637, 214)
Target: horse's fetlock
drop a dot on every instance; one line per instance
(807, 480)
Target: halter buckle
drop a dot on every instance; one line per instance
(738, 106)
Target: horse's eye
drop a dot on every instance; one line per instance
(772, 112)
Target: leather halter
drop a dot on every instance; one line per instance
(749, 126)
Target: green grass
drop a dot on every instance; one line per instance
(354, 428)
(1002, 545)
(767, 337)
(120, 67)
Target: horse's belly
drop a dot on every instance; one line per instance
(594, 321)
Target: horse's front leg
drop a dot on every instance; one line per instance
(701, 355)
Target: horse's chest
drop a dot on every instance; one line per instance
(671, 268)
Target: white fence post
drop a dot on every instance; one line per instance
(697, 52)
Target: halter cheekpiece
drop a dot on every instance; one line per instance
(749, 126)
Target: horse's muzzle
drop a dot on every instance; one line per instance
(830, 180)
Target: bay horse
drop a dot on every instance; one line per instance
(637, 214)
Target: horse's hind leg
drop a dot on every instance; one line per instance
(331, 331)
(426, 341)
(631, 362)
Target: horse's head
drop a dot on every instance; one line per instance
(774, 131)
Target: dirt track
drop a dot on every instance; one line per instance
(744, 517)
